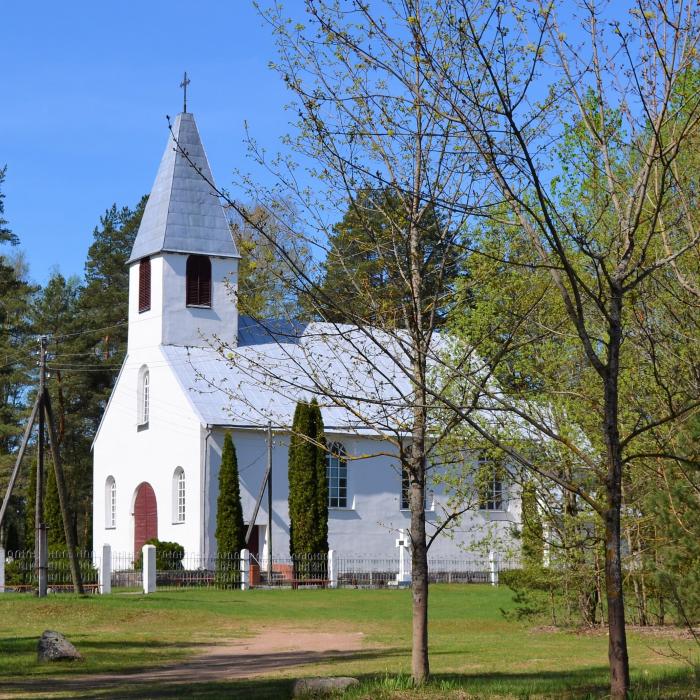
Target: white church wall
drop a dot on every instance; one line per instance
(133, 455)
(186, 325)
(145, 327)
(169, 320)
(368, 526)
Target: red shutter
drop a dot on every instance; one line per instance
(205, 282)
(145, 285)
(198, 285)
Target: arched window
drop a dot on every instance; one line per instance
(337, 474)
(144, 285)
(110, 503)
(144, 397)
(198, 280)
(179, 495)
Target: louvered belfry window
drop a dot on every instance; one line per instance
(145, 285)
(198, 280)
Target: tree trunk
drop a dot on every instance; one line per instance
(617, 645)
(420, 667)
(617, 637)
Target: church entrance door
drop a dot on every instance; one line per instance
(145, 516)
(254, 543)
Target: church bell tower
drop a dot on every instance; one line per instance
(183, 269)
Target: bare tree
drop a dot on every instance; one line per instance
(582, 129)
(367, 123)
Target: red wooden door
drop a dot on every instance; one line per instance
(145, 516)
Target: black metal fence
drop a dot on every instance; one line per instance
(175, 571)
(21, 575)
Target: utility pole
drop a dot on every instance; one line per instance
(41, 542)
(42, 411)
(269, 502)
(76, 575)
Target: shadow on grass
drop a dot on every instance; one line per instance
(589, 683)
(217, 670)
(576, 685)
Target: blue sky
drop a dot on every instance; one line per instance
(85, 90)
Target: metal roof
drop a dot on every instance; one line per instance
(184, 213)
(276, 365)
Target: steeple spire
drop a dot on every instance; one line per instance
(183, 213)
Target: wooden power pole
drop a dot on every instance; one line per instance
(41, 555)
(42, 410)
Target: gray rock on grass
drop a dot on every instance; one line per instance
(305, 687)
(53, 646)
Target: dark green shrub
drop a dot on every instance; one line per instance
(168, 556)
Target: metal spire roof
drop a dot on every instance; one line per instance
(183, 213)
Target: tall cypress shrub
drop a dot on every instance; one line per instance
(320, 481)
(308, 487)
(230, 528)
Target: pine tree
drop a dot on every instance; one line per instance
(17, 368)
(363, 274)
(308, 486)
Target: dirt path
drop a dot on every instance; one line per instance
(272, 649)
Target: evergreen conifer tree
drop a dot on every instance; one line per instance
(308, 486)
(52, 510)
(230, 528)
(320, 481)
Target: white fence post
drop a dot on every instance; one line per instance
(245, 569)
(105, 571)
(332, 570)
(493, 568)
(403, 577)
(2, 569)
(148, 559)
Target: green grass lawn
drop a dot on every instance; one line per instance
(475, 652)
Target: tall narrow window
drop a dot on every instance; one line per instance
(179, 495)
(493, 497)
(490, 479)
(110, 503)
(144, 397)
(337, 475)
(146, 404)
(198, 280)
(406, 492)
(144, 285)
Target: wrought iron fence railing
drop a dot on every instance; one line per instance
(175, 570)
(21, 575)
(307, 570)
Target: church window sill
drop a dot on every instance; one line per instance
(141, 426)
(199, 306)
(110, 527)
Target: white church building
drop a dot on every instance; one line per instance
(195, 371)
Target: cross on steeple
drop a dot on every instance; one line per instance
(185, 82)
